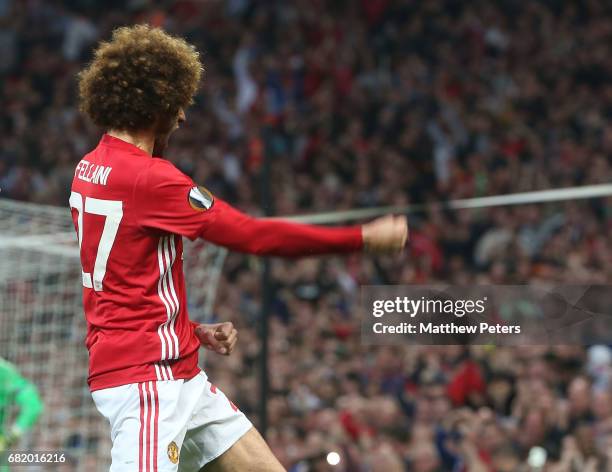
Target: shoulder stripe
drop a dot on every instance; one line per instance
(166, 292)
(173, 295)
(160, 330)
(163, 370)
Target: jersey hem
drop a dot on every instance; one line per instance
(95, 385)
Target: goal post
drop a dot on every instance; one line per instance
(42, 324)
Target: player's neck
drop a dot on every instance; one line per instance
(142, 140)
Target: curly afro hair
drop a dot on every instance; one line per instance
(141, 75)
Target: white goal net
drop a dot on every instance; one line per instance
(42, 324)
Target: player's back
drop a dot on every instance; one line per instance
(134, 293)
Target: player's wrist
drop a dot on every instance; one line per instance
(366, 238)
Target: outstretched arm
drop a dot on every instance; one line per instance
(273, 237)
(168, 200)
(240, 232)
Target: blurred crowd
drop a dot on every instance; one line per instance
(313, 105)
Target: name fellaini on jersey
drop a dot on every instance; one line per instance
(92, 173)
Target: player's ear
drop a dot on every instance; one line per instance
(200, 198)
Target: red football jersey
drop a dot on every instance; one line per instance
(130, 211)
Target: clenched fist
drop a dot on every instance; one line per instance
(387, 234)
(218, 337)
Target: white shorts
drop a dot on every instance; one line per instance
(169, 425)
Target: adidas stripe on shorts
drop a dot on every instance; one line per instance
(169, 425)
